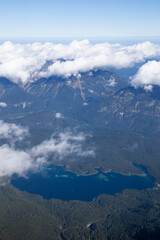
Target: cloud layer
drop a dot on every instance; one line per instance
(28, 62)
(15, 161)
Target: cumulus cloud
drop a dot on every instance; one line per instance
(12, 160)
(28, 62)
(2, 104)
(15, 161)
(59, 115)
(147, 75)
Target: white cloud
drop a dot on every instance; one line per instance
(148, 88)
(12, 131)
(15, 161)
(59, 115)
(2, 104)
(65, 145)
(23, 63)
(112, 82)
(148, 74)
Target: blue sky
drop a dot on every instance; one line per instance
(79, 18)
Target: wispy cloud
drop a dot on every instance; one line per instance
(66, 144)
(12, 131)
(16, 161)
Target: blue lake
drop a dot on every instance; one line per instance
(55, 182)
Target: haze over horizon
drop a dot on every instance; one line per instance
(79, 19)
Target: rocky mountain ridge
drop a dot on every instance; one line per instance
(95, 99)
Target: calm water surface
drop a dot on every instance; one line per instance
(55, 182)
